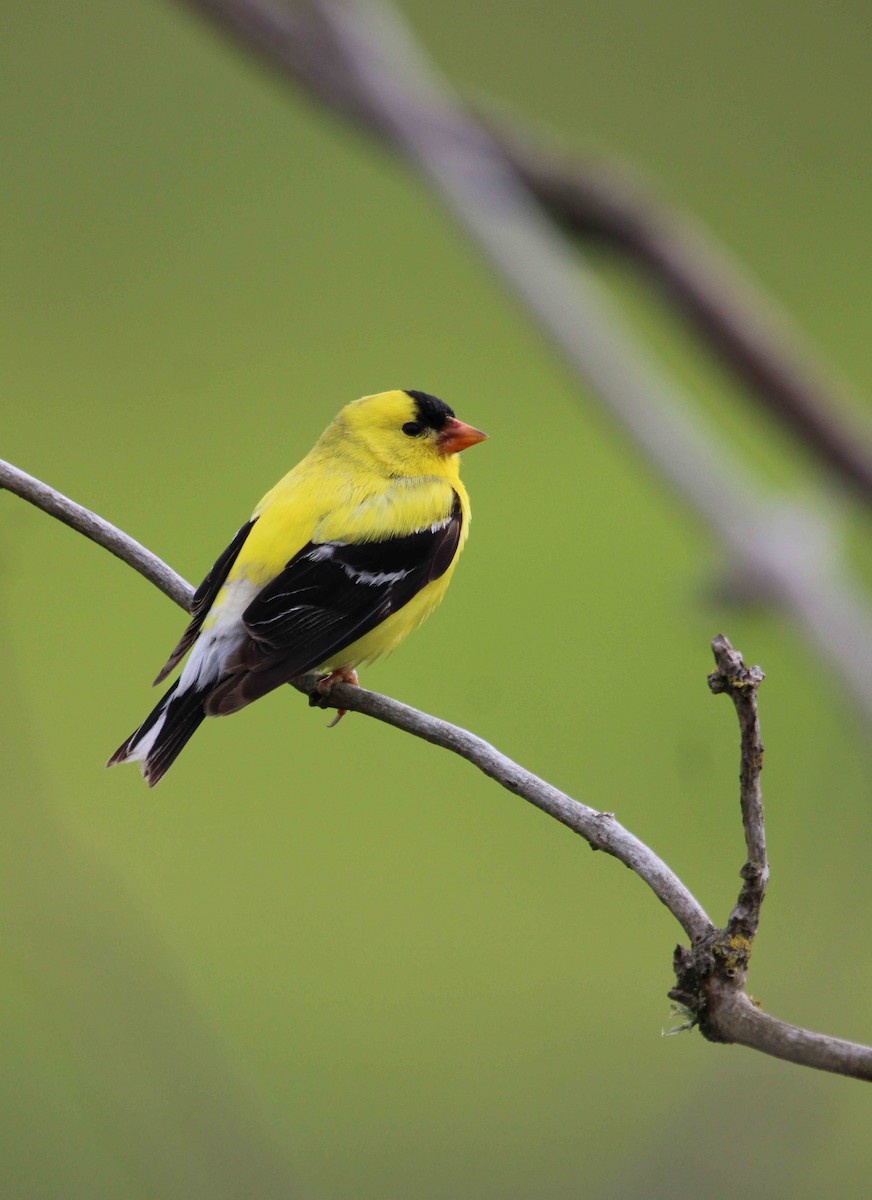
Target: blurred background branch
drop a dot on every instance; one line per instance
(361, 59)
(595, 201)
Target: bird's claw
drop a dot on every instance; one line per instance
(319, 697)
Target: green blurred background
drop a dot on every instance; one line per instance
(344, 964)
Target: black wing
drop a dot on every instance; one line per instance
(204, 598)
(329, 595)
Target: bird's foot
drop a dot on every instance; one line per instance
(318, 697)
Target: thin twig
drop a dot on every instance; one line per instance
(740, 1021)
(741, 683)
(97, 530)
(711, 975)
(601, 830)
(706, 982)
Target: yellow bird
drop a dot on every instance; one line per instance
(339, 563)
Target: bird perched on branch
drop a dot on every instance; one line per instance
(339, 563)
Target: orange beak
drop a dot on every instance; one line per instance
(455, 436)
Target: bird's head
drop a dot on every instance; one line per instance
(408, 432)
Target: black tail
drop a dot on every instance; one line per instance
(163, 733)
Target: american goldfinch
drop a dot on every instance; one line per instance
(347, 554)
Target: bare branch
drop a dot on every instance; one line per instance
(98, 530)
(740, 1021)
(709, 975)
(709, 987)
(741, 684)
(600, 830)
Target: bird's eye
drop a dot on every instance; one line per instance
(413, 429)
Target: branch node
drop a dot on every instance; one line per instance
(752, 872)
(716, 965)
(731, 674)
